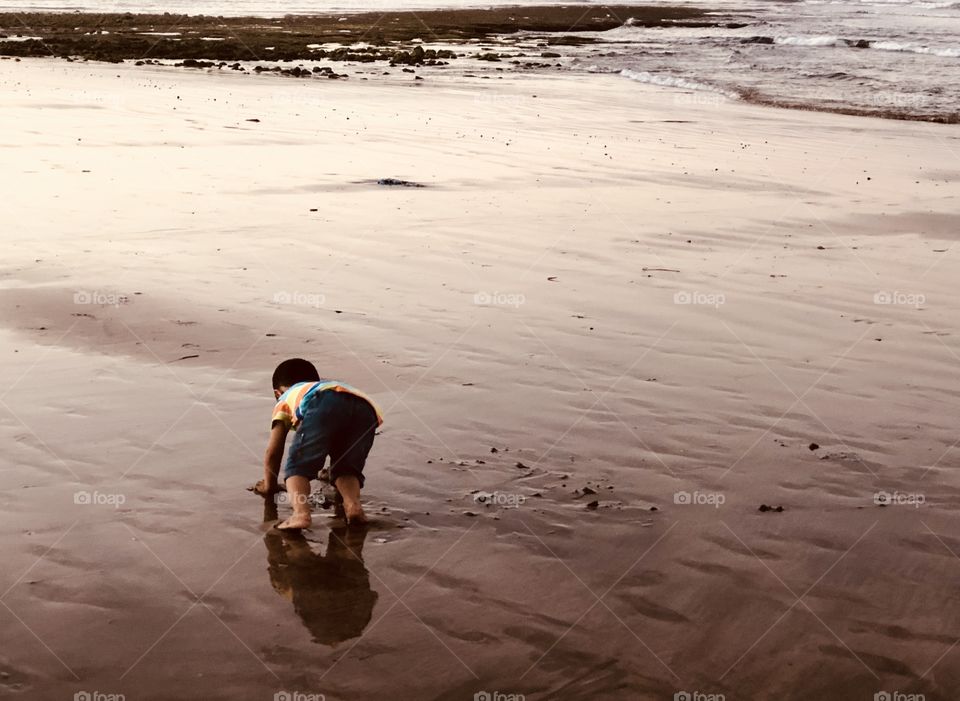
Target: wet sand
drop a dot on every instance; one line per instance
(606, 301)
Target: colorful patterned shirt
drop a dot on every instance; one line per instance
(288, 408)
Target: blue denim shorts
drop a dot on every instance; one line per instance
(338, 424)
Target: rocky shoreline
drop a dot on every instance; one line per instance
(393, 37)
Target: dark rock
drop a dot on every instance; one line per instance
(764, 508)
(593, 505)
(814, 446)
(394, 182)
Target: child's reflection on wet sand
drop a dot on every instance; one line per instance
(330, 592)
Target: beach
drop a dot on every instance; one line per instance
(605, 326)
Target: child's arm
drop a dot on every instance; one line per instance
(272, 459)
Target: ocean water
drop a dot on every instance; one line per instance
(881, 57)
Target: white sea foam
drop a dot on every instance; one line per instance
(945, 52)
(673, 81)
(821, 40)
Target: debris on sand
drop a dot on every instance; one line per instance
(764, 508)
(395, 182)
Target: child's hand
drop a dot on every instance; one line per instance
(264, 489)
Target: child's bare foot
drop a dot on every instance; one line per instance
(297, 522)
(354, 514)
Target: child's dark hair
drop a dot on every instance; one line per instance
(290, 372)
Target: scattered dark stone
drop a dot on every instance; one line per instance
(821, 248)
(764, 508)
(469, 513)
(654, 508)
(394, 182)
(593, 505)
(254, 120)
(549, 54)
(588, 490)
(522, 466)
(814, 446)
(494, 450)
(757, 40)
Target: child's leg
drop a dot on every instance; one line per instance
(308, 451)
(298, 491)
(349, 488)
(348, 453)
